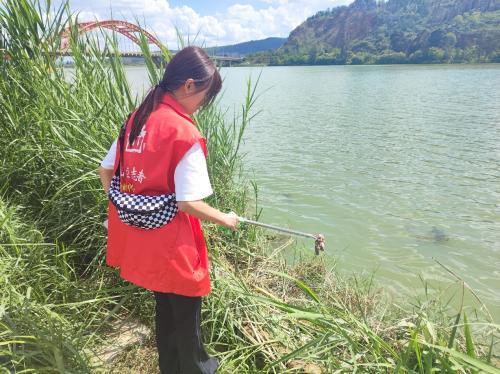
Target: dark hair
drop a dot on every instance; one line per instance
(190, 62)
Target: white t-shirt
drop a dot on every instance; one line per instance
(191, 175)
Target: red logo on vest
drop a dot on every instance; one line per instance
(138, 145)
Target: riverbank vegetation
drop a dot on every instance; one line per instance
(58, 300)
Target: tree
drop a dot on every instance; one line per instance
(363, 46)
(435, 54)
(399, 42)
(450, 40)
(391, 57)
(436, 38)
(313, 52)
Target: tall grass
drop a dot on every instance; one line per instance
(57, 297)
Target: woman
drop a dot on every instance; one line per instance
(165, 153)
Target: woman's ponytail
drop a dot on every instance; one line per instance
(142, 113)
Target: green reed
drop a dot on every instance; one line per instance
(57, 297)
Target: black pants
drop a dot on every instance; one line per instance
(178, 336)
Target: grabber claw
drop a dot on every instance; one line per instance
(319, 243)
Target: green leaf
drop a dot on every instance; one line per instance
(469, 343)
(473, 363)
(454, 331)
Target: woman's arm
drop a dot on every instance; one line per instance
(196, 208)
(192, 185)
(106, 175)
(105, 170)
(205, 212)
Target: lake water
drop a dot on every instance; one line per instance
(398, 166)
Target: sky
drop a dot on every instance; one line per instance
(217, 22)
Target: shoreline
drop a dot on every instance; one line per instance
(298, 65)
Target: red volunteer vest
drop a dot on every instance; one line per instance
(172, 258)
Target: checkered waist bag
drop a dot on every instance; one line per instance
(144, 211)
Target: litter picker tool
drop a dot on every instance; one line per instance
(319, 239)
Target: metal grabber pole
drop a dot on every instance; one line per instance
(319, 239)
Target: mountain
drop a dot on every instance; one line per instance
(243, 49)
(395, 31)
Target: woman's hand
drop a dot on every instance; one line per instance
(231, 220)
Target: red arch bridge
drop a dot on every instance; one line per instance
(132, 32)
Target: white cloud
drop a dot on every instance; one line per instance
(89, 16)
(239, 23)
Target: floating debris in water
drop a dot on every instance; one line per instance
(439, 235)
(435, 235)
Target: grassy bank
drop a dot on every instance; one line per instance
(59, 301)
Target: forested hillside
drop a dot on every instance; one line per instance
(396, 31)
